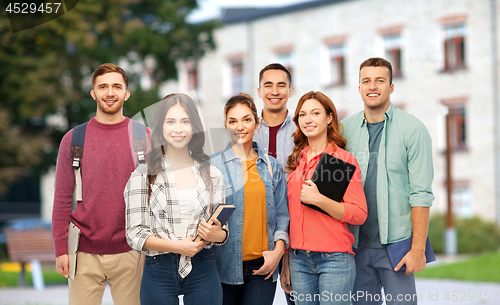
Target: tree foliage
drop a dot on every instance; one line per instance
(45, 71)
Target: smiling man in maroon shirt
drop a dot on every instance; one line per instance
(106, 165)
(274, 136)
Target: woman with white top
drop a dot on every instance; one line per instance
(168, 201)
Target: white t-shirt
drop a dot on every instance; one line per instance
(187, 201)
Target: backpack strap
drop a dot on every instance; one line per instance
(77, 141)
(139, 142)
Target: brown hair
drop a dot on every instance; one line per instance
(377, 62)
(243, 99)
(109, 68)
(195, 145)
(334, 130)
(276, 66)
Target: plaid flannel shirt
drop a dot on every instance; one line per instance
(161, 216)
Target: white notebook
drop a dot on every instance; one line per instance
(73, 239)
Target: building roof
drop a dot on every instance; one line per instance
(236, 15)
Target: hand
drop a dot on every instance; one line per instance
(211, 233)
(285, 275)
(414, 261)
(188, 247)
(271, 261)
(62, 265)
(309, 193)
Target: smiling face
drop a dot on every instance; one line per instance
(313, 119)
(274, 90)
(110, 92)
(375, 87)
(241, 124)
(177, 129)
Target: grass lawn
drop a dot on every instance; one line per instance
(481, 268)
(50, 277)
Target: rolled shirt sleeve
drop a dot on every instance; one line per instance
(137, 219)
(420, 168)
(354, 198)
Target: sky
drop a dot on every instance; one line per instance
(210, 9)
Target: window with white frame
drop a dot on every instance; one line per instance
(286, 59)
(192, 77)
(461, 199)
(458, 127)
(337, 63)
(237, 77)
(454, 47)
(392, 44)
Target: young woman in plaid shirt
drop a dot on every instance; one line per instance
(168, 201)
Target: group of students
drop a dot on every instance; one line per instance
(265, 172)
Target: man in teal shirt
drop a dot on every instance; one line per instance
(394, 152)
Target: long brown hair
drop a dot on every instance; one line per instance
(334, 130)
(243, 99)
(158, 142)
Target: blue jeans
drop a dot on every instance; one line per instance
(254, 291)
(321, 277)
(162, 284)
(374, 271)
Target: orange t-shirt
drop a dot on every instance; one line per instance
(254, 214)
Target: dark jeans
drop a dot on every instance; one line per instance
(374, 271)
(254, 291)
(162, 284)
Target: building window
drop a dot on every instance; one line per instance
(458, 127)
(392, 44)
(337, 64)
(192, 78)
(454, 47)
(461, 198)
(237, 77)
(285, 58)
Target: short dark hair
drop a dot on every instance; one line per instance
(276, 66)
(109, 68)
(377, 62)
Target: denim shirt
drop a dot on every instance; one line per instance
(284, 139)
(405, 170)
(228, 257)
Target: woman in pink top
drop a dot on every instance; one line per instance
(319, 268)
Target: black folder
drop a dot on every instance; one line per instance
(332, 177)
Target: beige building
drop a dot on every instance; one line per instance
(441, 51)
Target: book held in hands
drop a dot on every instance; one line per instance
(332, 177)
(399, 249)
(221, 213)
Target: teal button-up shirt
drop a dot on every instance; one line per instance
(405, 171)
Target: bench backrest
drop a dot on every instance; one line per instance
(25, 245)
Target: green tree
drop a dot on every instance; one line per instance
(45, 71)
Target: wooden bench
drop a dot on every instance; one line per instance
(30, 246)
